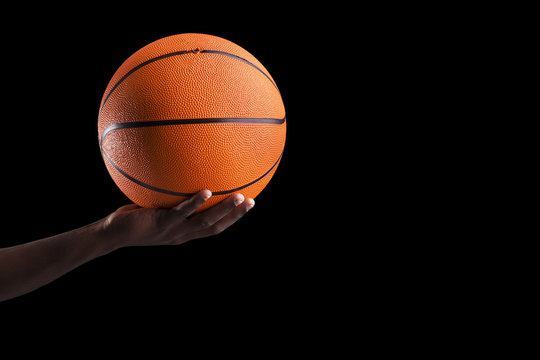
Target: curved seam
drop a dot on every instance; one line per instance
(138, 124)
(241, 59)
(169, 192)
(174, 54)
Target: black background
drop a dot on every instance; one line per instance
(350, 230)
(281, 256)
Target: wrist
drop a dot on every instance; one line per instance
(111, 240)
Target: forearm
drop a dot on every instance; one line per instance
(26, 267)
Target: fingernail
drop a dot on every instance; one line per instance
(238, 199)
(250, 203)
(207, 194)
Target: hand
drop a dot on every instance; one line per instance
(131, 225)
(28, 266)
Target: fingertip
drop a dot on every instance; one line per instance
(238, 199)
(250, 203)
(206, 194)
(193, 203)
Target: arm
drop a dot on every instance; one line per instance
(26, 267)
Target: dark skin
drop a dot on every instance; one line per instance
(26, 267)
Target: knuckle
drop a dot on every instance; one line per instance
(185, 208)
(232, 205)
(195, 202)
(203, 223)
(240, 213)
(188, 206)
(217, 229)
(245, 209)
(227, 206)
(158, 218)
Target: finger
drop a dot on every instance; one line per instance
(233, 216)
(187, 207)
(215, 213)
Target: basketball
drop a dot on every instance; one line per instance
(190, 112)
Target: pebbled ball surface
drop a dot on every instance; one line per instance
(186, 158)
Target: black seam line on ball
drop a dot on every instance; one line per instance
(139, 124)
(241, 59)
(224, 192)
(174, 54)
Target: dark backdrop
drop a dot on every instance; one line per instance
(55, 179)
(366, 208)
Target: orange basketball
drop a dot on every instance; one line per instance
(191, 112)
